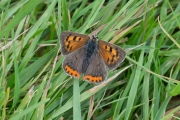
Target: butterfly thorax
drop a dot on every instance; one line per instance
(90, 48)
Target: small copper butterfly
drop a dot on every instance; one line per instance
(89, 56)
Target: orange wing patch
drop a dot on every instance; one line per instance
(109, 54)
(72, 42)
(94, 79)
(72, 72)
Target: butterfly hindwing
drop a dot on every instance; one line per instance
(71, 41)
(73, 63)
(96, 71)
(111, 54)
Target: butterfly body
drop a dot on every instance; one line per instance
(90, 49)
(89, 56)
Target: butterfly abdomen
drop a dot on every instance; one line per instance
(90, 48)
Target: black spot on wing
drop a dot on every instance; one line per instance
(105, 47)
(110, 49)
(70, 48)
(108, 60)
(74, 39)
(67, 46)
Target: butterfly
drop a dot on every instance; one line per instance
(89, 56)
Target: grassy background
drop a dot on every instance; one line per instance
(34, 86)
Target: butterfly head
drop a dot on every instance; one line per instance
(94, 37)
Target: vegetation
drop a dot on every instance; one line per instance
(34, 86)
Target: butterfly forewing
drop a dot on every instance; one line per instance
(73, 63)
(96, 71)
(71, 41)
(111, 54)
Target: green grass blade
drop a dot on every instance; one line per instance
(134, 87)
(17, 78)
(25, 10)
(29, 72)
(162, 109)
(26, 111)
(76, 100)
